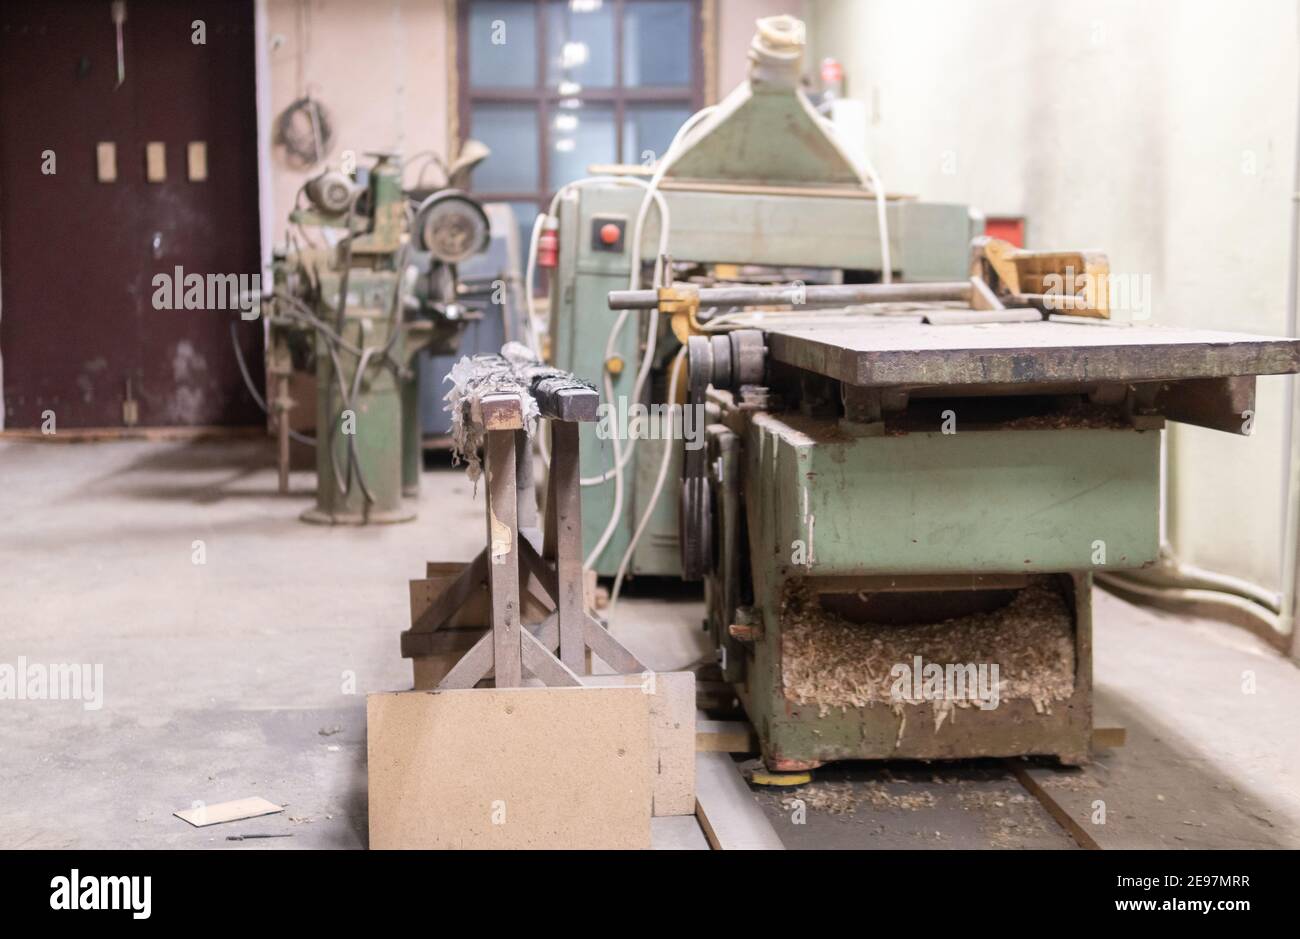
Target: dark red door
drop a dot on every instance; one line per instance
(78, 256)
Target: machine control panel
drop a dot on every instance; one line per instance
(608, 233)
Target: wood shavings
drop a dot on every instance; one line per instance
(829, 661)
(1009, 817)
(845, 798)
(1070, 782)
(985, 799)
(1073, 417)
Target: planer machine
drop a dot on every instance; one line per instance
(919, 445)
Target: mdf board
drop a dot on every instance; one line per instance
(488, 768)
(672, 735)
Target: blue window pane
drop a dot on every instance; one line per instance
(580, 137)
(510, 131)
(657, 44)
(525, 215)
(503, 44)
(580, 45)
(648, 129)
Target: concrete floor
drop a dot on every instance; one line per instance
(246, 674)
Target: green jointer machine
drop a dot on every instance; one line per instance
(357, 312)
(896, 471)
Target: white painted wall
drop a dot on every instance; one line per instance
(379, 66)
(1160, 131)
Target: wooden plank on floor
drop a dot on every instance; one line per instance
(1108, 738)
(724, 736)
(732, 820)
(1058, 812)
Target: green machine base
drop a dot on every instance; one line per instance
(856, 557)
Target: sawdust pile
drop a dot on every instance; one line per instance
(846, 798)
(831, 662)
(1072, 418)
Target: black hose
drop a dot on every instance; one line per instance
(252, 389)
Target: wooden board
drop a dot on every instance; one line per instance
(555, 768)
(731, 819)
(204, 815)
(447, 644)
(882, 355)
(672, 735)
(724, 737)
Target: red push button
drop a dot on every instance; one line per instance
(610, 233)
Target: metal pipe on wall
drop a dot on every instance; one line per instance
(1291, 474)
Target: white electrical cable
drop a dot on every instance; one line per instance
(868, 178)
(664, 463)
(871, 181)
(530, 277)
(634, 281)
(882, 222)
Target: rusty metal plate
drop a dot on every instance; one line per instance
(886, 354)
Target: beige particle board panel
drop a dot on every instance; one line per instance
(672, 735)
(489, 768)
(729, 814)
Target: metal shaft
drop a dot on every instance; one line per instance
(796, 295)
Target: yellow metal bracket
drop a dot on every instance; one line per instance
(681, 302)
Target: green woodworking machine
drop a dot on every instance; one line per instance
(909, 472)
(355, 302)
(773, 199)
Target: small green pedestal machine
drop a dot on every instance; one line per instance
(355, 302)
